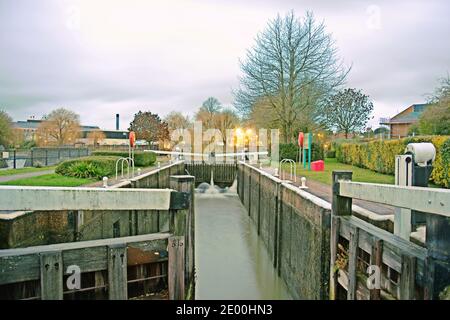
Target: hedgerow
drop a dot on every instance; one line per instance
(380, 155)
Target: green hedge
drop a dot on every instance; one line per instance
(3, 163)
(380, 155)
(330, 154)
(88, 167)
(141, 159)
(290, 151)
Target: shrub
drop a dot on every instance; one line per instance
(379, 155)
(88, 167)
(290, 151)
(330, 154)
(141, 159)
(38, 164)
(3, 163)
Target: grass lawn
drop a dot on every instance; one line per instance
(49, 180)
(9, 172)
(359, 174)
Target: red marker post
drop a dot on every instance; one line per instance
(301, 137)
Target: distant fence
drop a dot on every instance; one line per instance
(21, 158)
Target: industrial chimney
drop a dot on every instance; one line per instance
(117, 121)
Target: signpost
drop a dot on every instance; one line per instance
(306, 144)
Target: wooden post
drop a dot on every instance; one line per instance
(176, 268)
(51, 275)
(407, 278)
(340, 206)
(376, 259)
(352, 263)
(117, 272)
(183, 224)
(438, 260)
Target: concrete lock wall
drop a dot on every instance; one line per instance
(295, 227)
(31, 228)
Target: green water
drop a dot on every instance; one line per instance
(231, 260)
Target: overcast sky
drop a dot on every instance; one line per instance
(100, 58)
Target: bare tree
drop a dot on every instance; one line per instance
(290, 57)
(96, 136)
(60, 127)
(210, 107)
(226, 119)
(347, 111)
(176, 120)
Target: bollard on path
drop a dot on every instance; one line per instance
(105, 182)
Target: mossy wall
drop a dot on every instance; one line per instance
(47, 227)
(294, 226)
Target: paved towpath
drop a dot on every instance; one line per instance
(323, 191)
(25, 175)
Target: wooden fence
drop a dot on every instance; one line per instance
(407, 271)
(223, 174)
(110, 268)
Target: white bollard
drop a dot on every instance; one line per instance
(303, 179)
(105, 182)
(159, 164)
(260, 166)
(276, 172)
(139, 171)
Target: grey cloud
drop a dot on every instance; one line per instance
(187, 55)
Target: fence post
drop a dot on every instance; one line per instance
(176, 278)
(46, 157)
(117, 272)
(51, 275)
(438, 260)
(31, 156)
(340, 206)
(14, 163)
(182, 223)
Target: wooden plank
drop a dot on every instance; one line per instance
(83, 244)
(51, 275)
(186, 224)
(376, 259)
(407, 278)
(334, 238)
(176, 268)
(387, 237)
(19, 268)
(429, 200)
(59, 198)
(352, 263)
(117, 272)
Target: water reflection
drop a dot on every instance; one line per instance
(231, 260)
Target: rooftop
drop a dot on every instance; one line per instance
(405, 116)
